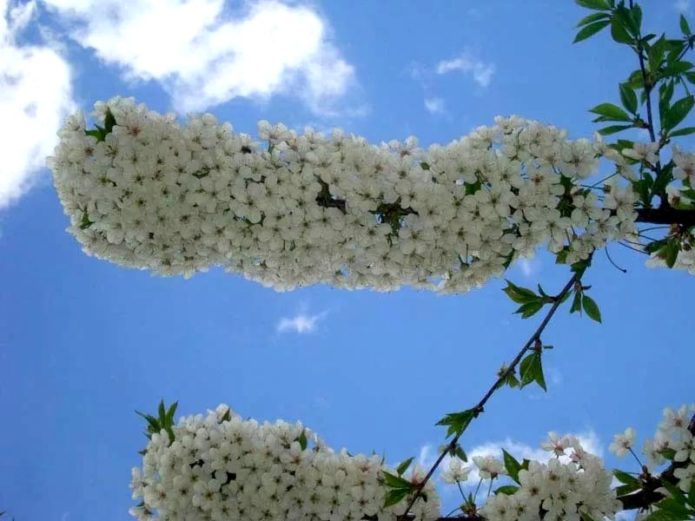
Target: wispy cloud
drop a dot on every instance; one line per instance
(35, 95)
(529, 266)
(435, 105)
(682, 6)
(467, 63)
(204, 54)
(301, 323)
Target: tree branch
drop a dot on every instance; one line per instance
(530, 344)
(667, 215)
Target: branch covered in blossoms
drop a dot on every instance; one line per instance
(146, 192)
(221, 467)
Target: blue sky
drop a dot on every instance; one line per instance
(84, 343)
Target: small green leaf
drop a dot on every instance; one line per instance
(518, 294)
(611, 112)
(592, 18)
(109, 121)
(598, 5)
(625, 478)
(685, 131)
(576, 303)
(531, 370)
(591, 308)
(397, 482)
(506, 489)
(589, 30)
(302, 440)
(404, 466)
(530, 308)
(460, 453)
(685, 27)
(613, 129)
(395, 496)
(511, 465)
(678, 112)
(619, 31)
(628, 98)
(458, 421)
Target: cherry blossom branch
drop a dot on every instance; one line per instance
(666, 215)
(532, 343)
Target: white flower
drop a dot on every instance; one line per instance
(622, 443)
(456, 471)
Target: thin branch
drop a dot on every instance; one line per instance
(530, 344)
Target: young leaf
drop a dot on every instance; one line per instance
(611, 112)
(530, 308)
(511, 465)
(628, 98)
(531, 370)
(685, 27)
(597, 5)
(619, 31)
(395, 496)
(518, 294)
(404, 466)
(677, 112)
(591, 308)
(685, 131)
(506, 489)
(595, 17)
(589, 30)
(458, 421)
(302, 440)
(612, 129)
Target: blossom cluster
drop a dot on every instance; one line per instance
(674, 441)
(307, 208)
(220, 467)
(572, 483)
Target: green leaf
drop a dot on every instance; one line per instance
(397, 482)
(612, 129)
(531, 370)
(85, 222)
(530, 308)
(685, 27)
(685, 131)
(302, 440)
(109, 121)
(669, 253)
(593, 18)
(404, 466)
(576, 303)
(161, 411)
(511, 465)
(625, 478)
(590, 30)
(458, 421)
(628, 98)
(619, 32)
(611, 112)
(395, 496)
(170, 413)
(678, 112)
(591, 308)
(506, 489)
(460, 453)
(598, 5)
(518, 294)
(626, 489)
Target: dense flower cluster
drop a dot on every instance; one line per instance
(223, 468)
(570, 484)
(176, 199)
(675, 442)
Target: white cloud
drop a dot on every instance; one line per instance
(529, 266)
(682, 6)
(466, 63)
(435, 105)
(204, 55)
(300, 323)
(35, 95)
